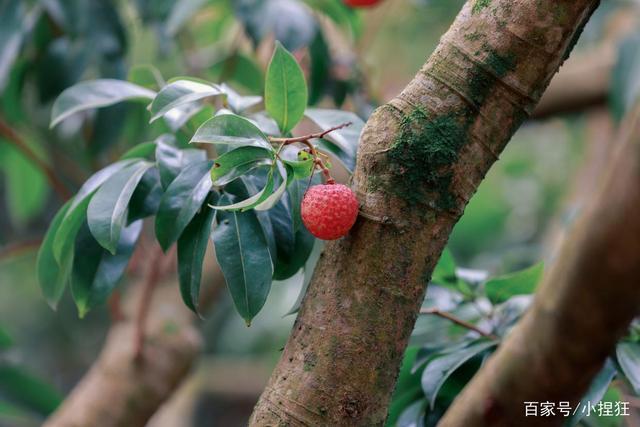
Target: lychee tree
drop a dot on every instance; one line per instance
(421, 157)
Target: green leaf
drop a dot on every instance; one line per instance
(192, 246)
(13, 27)
(407, 390)
(231, 129)
(146, 75)
(51, 276)
(243, 254)
(182, 201)
(239, 103)
(439, 369)
(241, 70)
(238, 162)
(172, 160)
(252, 201)
(524, 282)
(145, 200)
(445, 270)
(303, 167)
(76, 214)
(140, 151)
(5, 340)
(23, 388)
(95, 94)
(284, 175)
(285, 92)
(96, 272)
(108, 208)
(628, 354)
(596, 391)
(179, 93)
(412, 415)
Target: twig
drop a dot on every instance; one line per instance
(154, 274)
(16, 249)
(306, 138)
(458, 321)
(12, 137)
(115, 307)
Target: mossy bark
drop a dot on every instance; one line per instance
(582, 308)
(421, 158)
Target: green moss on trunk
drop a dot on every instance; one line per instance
(421, 157)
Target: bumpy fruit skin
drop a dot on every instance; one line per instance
(329, 210)
(361, 3)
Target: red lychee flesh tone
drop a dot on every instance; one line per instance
(361, 3)
(329, 210)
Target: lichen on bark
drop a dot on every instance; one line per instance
(420, 159)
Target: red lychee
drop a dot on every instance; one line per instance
(329, 210)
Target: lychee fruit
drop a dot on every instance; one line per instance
(329, 210)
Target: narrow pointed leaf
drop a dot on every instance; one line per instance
(76, 214)
(252, 201)
(500, 289)
(95, 94)
(192, 246)
(182, 201)
(628, 354)
(231, 129)
(596, 392)
(285, 89)
(274, 197)
(140, 151)
(96, 272)
(179, 93)
(238, 162)
(145, 200)
(27, 390)
(243, 254)
(107, 211)
(441, 368)
(172, 160)
(51, 277)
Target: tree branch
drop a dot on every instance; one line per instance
(583, 307)
(14, 139)
(118, 390)
(421, 157)
(305, 138)
(458, 321)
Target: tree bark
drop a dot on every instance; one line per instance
(582, 308)
(421, 158)
(122, 390)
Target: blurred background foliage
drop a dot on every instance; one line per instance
(353, 59)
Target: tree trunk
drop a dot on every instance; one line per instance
(581, 310)
(421, 158)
